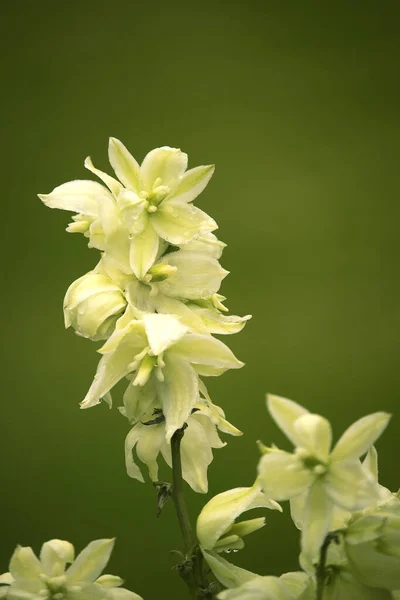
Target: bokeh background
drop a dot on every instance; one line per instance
(297, 103)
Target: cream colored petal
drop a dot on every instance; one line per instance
(167, 164)
(125, 166)
(206, 243)
(138, 400)
(179, 392)
(349, 486)
(313, 433)
(54, 555)
(109, 581)
(196, 456)
(130, 442)
(360, 436)
(219, 514)
(113, 185)
(215, 322)
(162, 331)
(228, 574)
(193, 183)
(206, 350)
(113, 367)
(24, 564)
(78, 196)
(285, 412)
(179, 223)
(197, 275)
(317, 520)
(143, 250)
(149, 445)
(90, 562)
(123, 594)
(283, 476)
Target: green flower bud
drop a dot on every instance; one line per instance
(92, 306)
(372, 544)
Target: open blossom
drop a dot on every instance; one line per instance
(328, 478)
(147, 205)
(160, 348)
(290, 586)
(58, 575)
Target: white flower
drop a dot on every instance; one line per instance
(160, 345)
(290, 586)
(149, 203)
(92, 305)
(50, 578)
(328, 478)
(216, 526)
(148, 436)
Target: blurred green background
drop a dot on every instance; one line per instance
(297, 103)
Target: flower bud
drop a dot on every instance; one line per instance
(372, 543)
(92, 306)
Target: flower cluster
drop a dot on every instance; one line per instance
(153, 300)
(57, 575)
(335, 499)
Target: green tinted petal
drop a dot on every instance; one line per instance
(80, 196)
(54, 555)
(143, 250)
(285, 412)
(180, 223)
(162, 331)
(283, 476)
(313, 433)
(317, 520)
(167, 164)
(193, 183)
(125, 166)
(360, 436)
(90, 562)
(206, 350)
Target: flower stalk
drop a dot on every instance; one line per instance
(191, 569)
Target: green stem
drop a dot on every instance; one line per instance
(320, 571)
(191, 570)
(177, 492)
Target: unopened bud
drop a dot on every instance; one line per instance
(161, 272)
(92, 306)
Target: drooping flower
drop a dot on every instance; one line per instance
(160, 346)
(327, 478)
(147, 203)
(148, 436)
(57, 575)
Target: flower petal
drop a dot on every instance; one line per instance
(193, 183)
(78, 196)
(24, 564)
(215, 322)
(360, 436)
(162, 331)
(196, 456)
(150, 440)
(283, 475)
(197, 276)
(259, 588)
(123, 594)
(54, 555)
(114, 366)
(90, 562)
(109, 581)
(228, 574)
(205, 350)
(219, 514)
(179, 391)
(180, 223)
(138, 400)
(313, 433)
(317, 520)
(165, 163)
(125, 166)
(350, 486)
(285, 412)
(143, 250)
(206, 243)
(113, 185)
(6, 579)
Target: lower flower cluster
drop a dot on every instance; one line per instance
(350, 524)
